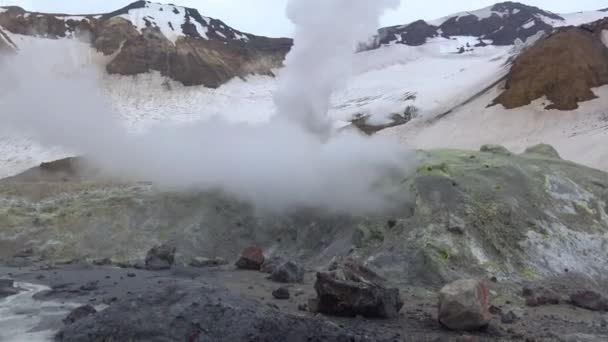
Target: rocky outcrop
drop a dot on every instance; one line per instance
(507, 22)
(500, 24)
(564, 67)
(176, 41)
(353, 289)
(464, 305)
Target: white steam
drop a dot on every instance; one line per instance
(279, 165)
(327, 33)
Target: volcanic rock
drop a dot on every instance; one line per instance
(251, 258)
(281, 293)
(353, 290)
(79, 313)
(563, 67)
(463, 305)
(160, 257)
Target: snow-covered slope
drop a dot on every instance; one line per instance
(173, 21)
(580, 135)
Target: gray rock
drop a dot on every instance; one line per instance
(160, 257)
(281, 293)
(354, 290)
(289, 272)
(79, 313)
(463, 305)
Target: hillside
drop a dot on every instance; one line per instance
(144, 36)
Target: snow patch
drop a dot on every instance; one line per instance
(529, 24)
(605, 37)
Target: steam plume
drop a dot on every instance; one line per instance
(278, 165)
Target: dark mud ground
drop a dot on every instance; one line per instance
(88, 284)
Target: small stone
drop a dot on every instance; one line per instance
(281, 293)
(302, 307)
(131, 275)
(79, 313)
(463, 305)
(251, 258)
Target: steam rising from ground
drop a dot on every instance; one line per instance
(282, 164)
(321, 60)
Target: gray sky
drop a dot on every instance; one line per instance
(266, 17)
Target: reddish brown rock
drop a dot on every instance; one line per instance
(564, 67)
(251, 258)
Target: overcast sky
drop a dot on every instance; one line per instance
(266, 17)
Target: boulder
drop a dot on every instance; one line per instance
(288, 272)
(540, 296)
(464, 305)
(251, 258)
(355, 290)
(79, 313)
(590, 300)
(160, 257)
(281, 293)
